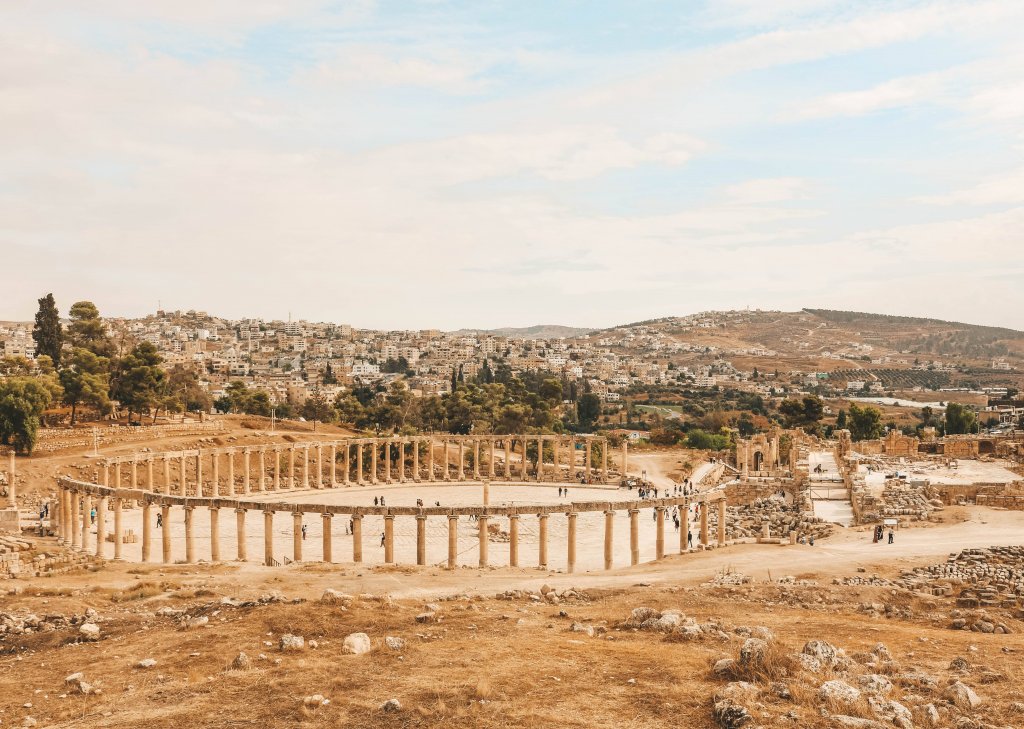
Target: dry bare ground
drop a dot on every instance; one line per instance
(476, 661)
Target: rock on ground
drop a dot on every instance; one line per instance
(356, 644)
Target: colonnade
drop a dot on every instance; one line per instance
(243, 470)
(77, 498)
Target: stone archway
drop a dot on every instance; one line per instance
(758, 460)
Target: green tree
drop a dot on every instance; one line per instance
(138, 382)
(87, 331)
(317, 409)
(47, 332)
(865, 422)
(960, 419)
(85, 382)
(588, 410)
(841, 420)
(184, 392)
(22, 402)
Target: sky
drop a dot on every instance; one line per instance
(424, 163)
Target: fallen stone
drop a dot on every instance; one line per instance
(356, 644)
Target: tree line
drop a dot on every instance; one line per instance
(81, 366)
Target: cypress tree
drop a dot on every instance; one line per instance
(47, 331)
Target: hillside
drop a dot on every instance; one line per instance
(538, 331)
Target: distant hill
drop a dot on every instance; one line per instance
(539, 331)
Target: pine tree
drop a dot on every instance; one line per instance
(47, 332)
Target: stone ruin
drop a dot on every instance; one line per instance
(749, 520)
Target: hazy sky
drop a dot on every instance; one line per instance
(417, 164)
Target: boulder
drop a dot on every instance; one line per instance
(394, 643)
(291, 642)
(876, 684)
(838, 693)
(962, 696)
(731, 715)
(242, 662)
(752, 651)
(356, 644)
(391, 705)
(335, 597)
(89, 631)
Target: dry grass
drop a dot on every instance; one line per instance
(477, 668)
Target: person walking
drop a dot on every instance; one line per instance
(159, 521)
(382, 539)
(303, 532)
(92, 515)
(689, 538)
(892, 536)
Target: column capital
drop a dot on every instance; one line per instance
(327, 515)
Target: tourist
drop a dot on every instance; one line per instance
(892, 536)
(92, 515)
(811, 540)
(689, 538)
(676, 520)
(303, 532)
(159, 521)
(382, 501)
(375, 501)
(382, 539)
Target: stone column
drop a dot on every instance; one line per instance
(297, 536)
(357, 538)
(522, 476)
(542, 541)
(421, 539)
(660, 537)
(513, 540)
(625, 456)
(401, 461)
(684, 525)
(430, 458)
(587, 460)
(261, 481)
(12, 483)
(571, 562)
(135, 472)
(150, 481)
(462, 459)
(416, 459)
(490, 458)
(290, 484)
(246, 471)
(147, 531)
(215, 485)
(634, 537)
(67, 525)
(86, 506)
(334, 465)
(190, 544)
(604, 461)
(101, 527)
(277, 468)
(199, 474)
(214, 534)
(328, 547)
(476, 459)
(389, 538)
(183, 484)
(167, 475)
(268, 538)
(572, 460)
(447, 471)
(345, 464)
(721, 521)
(305, 467)
(453, 541)
(508, 459)
(231, 472)
(374, 446)
(484, 540)
(118, 531)
(165, 533)
(387, 461)
(704, 523)
(318, 479)
(240, 549)
(609, 525)
(359, 463)
(75, 516)
(555, 443)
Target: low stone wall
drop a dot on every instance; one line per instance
(1005, 501)
(9, 521)
(739, 493)
(58, 439)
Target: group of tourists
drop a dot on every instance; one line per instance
(880, 534)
